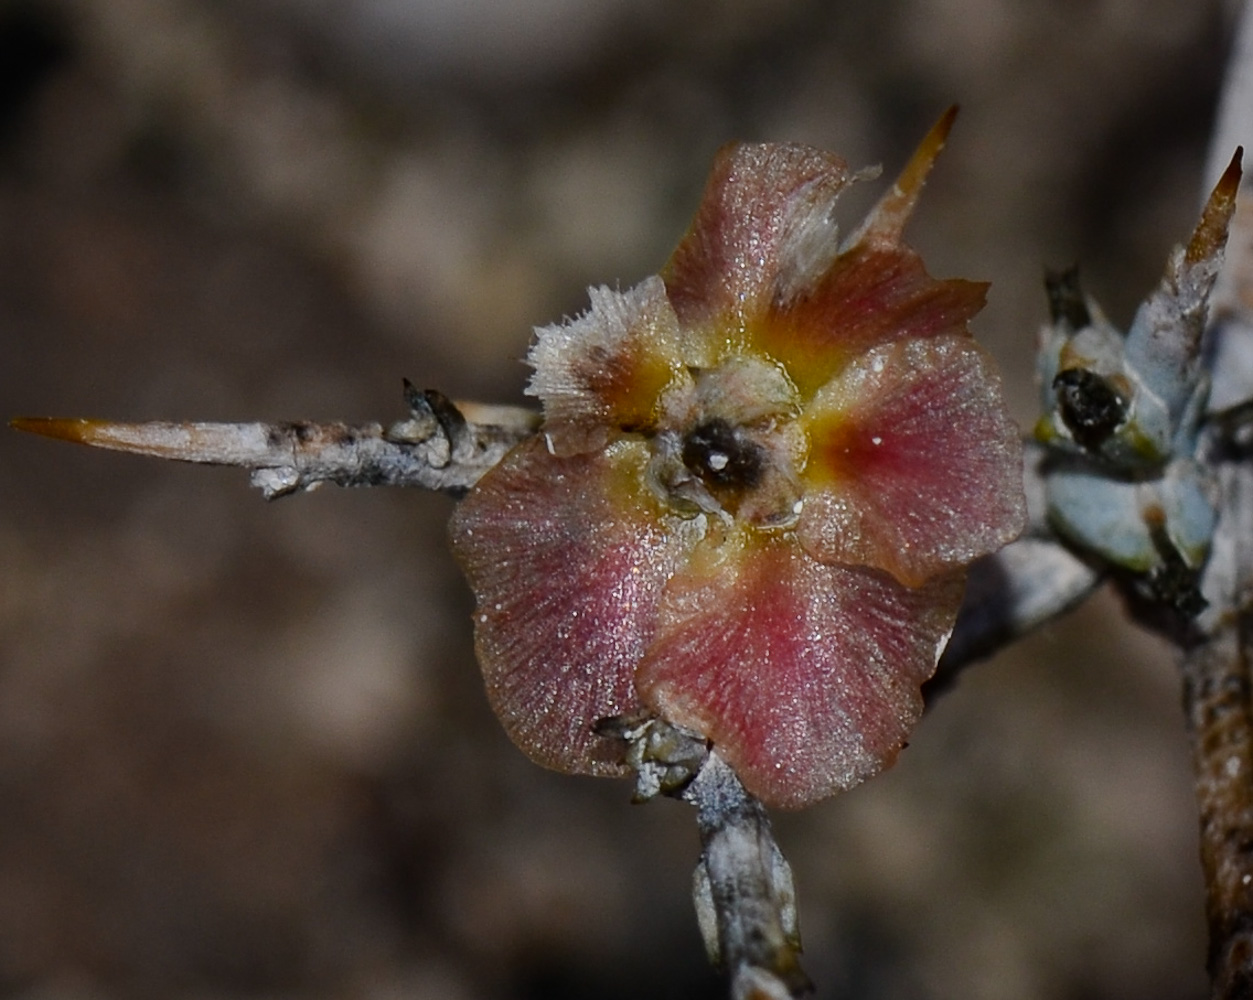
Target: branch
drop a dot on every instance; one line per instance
(1013, 591)
(1220, 725)
(1216, 669)
(438, 447)
(742, 886)
(1218, 707)
(745, 900)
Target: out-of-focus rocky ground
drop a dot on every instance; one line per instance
(244, 751)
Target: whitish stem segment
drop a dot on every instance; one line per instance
(745, 900)
(438, 447)
(742, 887)
(1023, 586)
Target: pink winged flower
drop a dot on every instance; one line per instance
(760, 479)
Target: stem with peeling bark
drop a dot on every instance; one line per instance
(1217, 665)
(1220, 724)
(436, 448)
(743, 887)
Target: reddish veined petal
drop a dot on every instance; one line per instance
(763, 227)
(875, 291)
(606, 369)
(567, 558)
(805, 677)
(872, 295)
(914, 465)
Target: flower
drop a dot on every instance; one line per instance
(760, 478)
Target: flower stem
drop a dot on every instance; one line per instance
(745, 900)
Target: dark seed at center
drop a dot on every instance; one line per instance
(722, 455)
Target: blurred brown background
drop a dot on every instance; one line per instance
(243, 747)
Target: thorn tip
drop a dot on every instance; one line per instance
(1210, 235)
(887, 220)
(62, 428)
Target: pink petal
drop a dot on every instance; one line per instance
(763, 225)
(872, 295)
(567, 558)
(605, 370)
(915, 466)
(806, 677)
